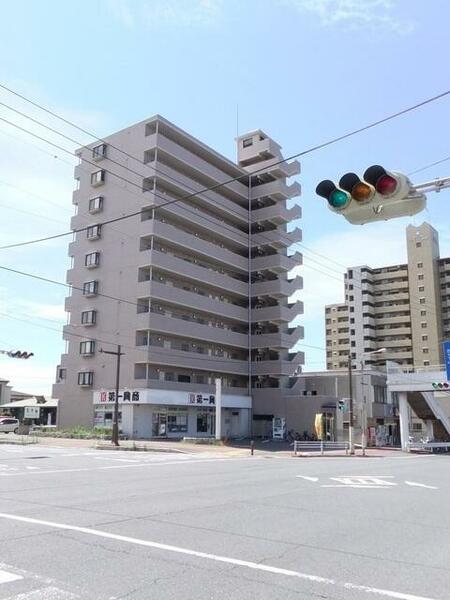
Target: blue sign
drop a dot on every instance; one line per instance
(446, 346)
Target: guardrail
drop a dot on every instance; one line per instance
(430, 446)
(320, 446)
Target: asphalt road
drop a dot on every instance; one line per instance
(78, 523)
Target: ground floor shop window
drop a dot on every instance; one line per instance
(104, 416)
(177, 420)
(206, 421)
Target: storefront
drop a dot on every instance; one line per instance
(148, 413)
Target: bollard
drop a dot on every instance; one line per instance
(252, 447)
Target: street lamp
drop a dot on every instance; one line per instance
(350, 399)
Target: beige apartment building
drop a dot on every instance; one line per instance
(193, 288)
(402, 308)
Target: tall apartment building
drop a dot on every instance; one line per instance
(193, 289)
(403, 308)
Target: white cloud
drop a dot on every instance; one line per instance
(153, 13)
(354, 14)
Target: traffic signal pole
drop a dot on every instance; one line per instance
(350, 406)
(115, 427)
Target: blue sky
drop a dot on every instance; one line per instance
(302, 70)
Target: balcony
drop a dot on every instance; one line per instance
(180, 297)
(277, 287)
(189, 387)
(184, 268)
(277, 213)
(277, 313)
(283, 169)
(191, 329)
(194, 163)
(195, 361)
(185, 240)
(276, 189)
(277, 263)
(278, 367)
(180, 185)
(208, 223)
(265, 148)
(278, 238)
(278, 340)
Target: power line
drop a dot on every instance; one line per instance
(433, 164)
(216, 186)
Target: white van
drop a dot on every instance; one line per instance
(9, 425)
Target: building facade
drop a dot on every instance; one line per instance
(194, 286)
(402, 308)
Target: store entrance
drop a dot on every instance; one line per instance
(206, 422)
(159, 424)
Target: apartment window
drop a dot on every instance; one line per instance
(87, 347)
(96, 204)
(420, 265)
(422, 300)
(420, 277)
(423, 325)
(421, 288)
(418, 244)
(425, 350)
(88, 317)
(92, 260)
(99, 151)
(423, 313)
(98, 177)
(184, 378)
(94, 232)
(85, 377)
(90, 288)
(426, 363)
(424, 338)
(62, 374)
(247, 142)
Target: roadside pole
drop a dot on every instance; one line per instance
(218, 409)
(115, 427)
(350, 406)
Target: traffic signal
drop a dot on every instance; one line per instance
(341, 404)
(380, 195)
(17, 354)
(441, 385)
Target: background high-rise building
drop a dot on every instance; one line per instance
(403, 308)
(193, 291)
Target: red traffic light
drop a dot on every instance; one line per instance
(384, 183)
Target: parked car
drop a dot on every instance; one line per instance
(9, 425)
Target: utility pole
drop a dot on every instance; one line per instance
(350, 405)
(115, 427)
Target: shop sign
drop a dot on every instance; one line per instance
(32, 412)
(202, 399)
(110, 397)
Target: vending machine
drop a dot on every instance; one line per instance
(278, 428)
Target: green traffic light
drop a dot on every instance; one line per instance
(338, 199)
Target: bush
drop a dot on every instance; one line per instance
(77, 432)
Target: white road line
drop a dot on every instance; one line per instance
(6, 577)
(47, 593)
(422, 485)
(307, 478)
(217, 558)
(129, 466)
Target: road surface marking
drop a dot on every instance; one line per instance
(308, 478)
(47, 593)
(6, 577)
(131, 466)
(422, 485)
(217, 558)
